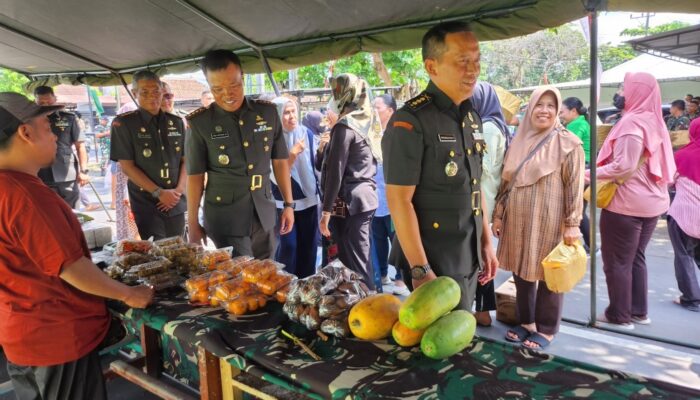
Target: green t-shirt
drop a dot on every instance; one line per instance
(582, 129)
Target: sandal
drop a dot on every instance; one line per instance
(518, 331)
(537, 338)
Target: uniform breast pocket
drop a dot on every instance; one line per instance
(220, 154)
(144, 151)
(450, 163)
(434, 221)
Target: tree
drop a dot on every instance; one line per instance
(11, 81)
(611, 56)
(559, 54)
(642, 31)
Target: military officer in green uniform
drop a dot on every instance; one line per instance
(234, 141)
(433, 147)
(67, 170)
(149, 145)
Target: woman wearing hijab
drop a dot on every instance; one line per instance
(347, 177)
(539, 204)
(313, 121)
(297, 249)
(684, 220)
(637, 154)
(487, 105)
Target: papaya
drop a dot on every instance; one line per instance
(429, 302)
(405, 336)
(449, 335)
(374, 316)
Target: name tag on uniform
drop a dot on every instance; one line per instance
(447, 138)
(219, 135)
(263, 128)
(172, 131)
(144, 135)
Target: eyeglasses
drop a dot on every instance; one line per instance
(168, 96)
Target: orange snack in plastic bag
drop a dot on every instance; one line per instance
(237, 307)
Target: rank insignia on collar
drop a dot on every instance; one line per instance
(218, 128)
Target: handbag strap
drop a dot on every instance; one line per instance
(526, 159)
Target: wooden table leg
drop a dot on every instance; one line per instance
(209, 375)
(228, 390)
(150, 343)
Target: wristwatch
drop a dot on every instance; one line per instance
(291, 205)
(420, 271)
(85, 171)
(156, 194)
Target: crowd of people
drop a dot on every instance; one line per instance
(425, 187)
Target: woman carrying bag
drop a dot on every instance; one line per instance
(636, 160)
(539, 204)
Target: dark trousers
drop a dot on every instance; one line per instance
(68, 191)
(585, 228)
(352, 236)
(381, 237)
(537, 304)
(77, 380)
(297, 249)
(260, 244)
(686, 260)
(485, 298)
(158, 225)
(624, 239)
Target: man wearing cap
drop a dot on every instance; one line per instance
(67, 171)
(234, 141)
(149, 145)
(54, 318)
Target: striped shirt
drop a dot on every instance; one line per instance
(684, 208)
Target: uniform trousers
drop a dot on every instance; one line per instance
(297, 249)
(686, 260)
(352, 236)
(537, 304)
(158, 225)
(76, 380)
(68, 191)
(260, 244)
(624, 239)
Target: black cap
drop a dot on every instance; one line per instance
(16, 109)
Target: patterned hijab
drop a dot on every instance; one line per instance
(351, 95)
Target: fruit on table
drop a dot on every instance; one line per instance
(429, 302)
(373, 317)
(405, 336)
(449, 335)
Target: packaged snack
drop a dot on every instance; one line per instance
(256, 272)
(337, 328)
(174, 240)
(274, 282)
(133, 246)
(199, 296)
(234, 265)
(209, 258)
(245, 304)
(233, 288)
(157, 266)
(282, 294)
(128, 260)
(204, 281)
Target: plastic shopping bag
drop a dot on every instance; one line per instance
(564, 267)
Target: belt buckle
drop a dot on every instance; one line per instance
(255, 182)
(476, 202)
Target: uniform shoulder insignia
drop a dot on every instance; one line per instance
(196, 112)
(261, 101)
(124, 114)
(419, 101)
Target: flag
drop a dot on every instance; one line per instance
(99, 110)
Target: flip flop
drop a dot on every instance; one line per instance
(537, 338)
(520, 332)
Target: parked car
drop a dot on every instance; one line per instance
(608, 111)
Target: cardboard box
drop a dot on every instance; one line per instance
(97, 235)
(505, 303)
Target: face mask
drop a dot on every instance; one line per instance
(619, 101)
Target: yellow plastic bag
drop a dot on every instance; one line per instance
(605, 191)
(564, 267)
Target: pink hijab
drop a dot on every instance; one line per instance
(688, 158)
(643, 118)
(547, 159)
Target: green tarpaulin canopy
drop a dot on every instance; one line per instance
(94, 41)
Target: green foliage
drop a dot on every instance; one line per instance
(560, 54)
(612, 56)
(640, 31)
(11, 81)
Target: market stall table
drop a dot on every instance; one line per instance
(351, 368)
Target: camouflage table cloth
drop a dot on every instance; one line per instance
(354, 369)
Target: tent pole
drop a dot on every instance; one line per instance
(268, 71)
(126, 86)
(593, 109)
